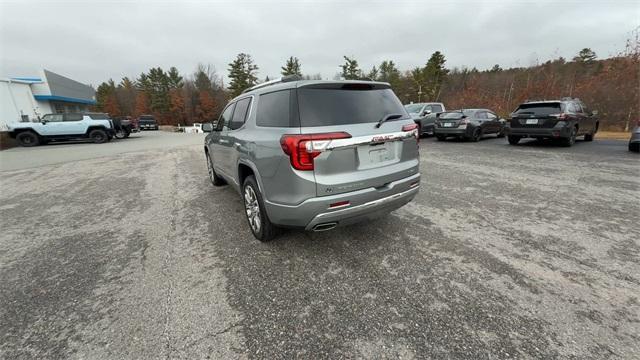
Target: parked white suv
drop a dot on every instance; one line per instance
(96, 127)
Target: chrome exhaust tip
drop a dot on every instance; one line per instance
(325, 226)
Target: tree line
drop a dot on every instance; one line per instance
(608, 85)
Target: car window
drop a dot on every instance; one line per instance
(481, 115)
(491, 116)
(577, 107)
(240, 114)
(538, 109)
(53, 117)
(273, 109)
(225, 118)
(357, 105)
(72, 117)
(436, 108)
(99, 116)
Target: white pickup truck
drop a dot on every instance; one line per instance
(96, 127)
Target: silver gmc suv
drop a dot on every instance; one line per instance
(314, 154)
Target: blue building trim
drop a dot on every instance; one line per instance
(30, 79)
(63, 98)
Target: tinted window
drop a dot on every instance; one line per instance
(146, 117)
(273, 109)
(225, 118)
(538, 109)
(99, 116)
(240, 114)
(322, 107)
(456, 114)
(413, 108)
(72, 117)
(436, 108)
(53, 117)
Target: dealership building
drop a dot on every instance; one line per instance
(26, 99)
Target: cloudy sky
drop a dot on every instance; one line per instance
(94, 41)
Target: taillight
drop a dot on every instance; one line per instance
(561, 116)
(303, 148)
(412, 127)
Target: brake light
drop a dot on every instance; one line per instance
(561, 116)
(412, 127)
(303, 148)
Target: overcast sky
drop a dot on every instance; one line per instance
(94, 41)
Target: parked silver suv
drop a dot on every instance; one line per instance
(314, 154)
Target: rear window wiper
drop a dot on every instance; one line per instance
(388, 117)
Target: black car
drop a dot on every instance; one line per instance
(562, 120)
(468, 124)
(147, 122)
(634, 141)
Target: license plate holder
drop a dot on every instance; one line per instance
(447, 124)
(531, 122)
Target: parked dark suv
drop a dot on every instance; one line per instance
(562, 120)
(147, 122)
(315, 154)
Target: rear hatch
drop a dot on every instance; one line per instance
(453, 119)
(358, 153)
(537, 115)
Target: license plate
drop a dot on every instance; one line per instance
(447, 124)
(379, 155)
(532, 121)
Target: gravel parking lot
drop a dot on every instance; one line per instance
(125, 250)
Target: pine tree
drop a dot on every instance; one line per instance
(389, 73)
(242, 72)
(586, 56)
(292, 67)
(350, 69)
(373, 74)
(433, 75)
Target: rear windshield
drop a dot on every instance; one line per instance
(323, 107)
(456, 114)
(146, 117)
(538, 109)
(147, 121)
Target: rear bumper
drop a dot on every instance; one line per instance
(560, 132)
(363, 204)
(452, 131)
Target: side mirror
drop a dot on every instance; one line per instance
(426, 112)
(207, 127)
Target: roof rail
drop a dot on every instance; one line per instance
(283, 79)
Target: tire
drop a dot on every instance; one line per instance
(476, 135)
(634, 147)
(569, 141)
(420, 133)
(441, 137)
(513, 140)
(28, 139)
(121, 133)
(257, 218)
(213, 177)
(589, 137)
(98, 136)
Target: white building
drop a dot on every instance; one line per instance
(28, 99)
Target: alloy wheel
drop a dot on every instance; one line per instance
(252, 208)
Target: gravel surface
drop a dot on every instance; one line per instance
(125, 250)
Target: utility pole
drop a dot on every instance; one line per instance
(419, 93)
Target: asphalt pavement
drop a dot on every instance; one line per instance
(125, 251)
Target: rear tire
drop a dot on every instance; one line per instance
(569, 141)
(28, 139)
(476, 135)
(98, 136)
(513, 140)
(634, 147)
(441, 137)
(589, 137)
(213, 177)
(257, 218)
